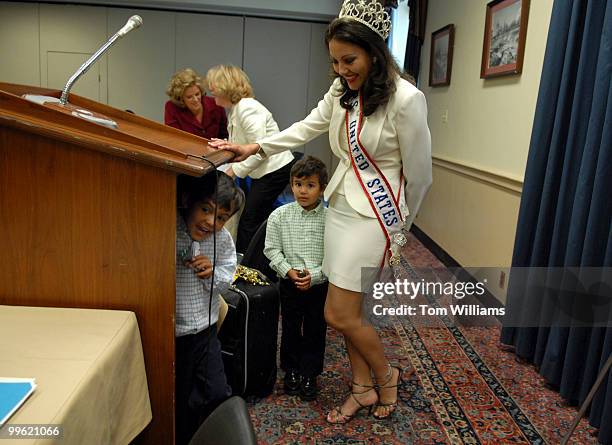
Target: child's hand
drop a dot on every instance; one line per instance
(201, 265)
(301, 279)
(292, 275)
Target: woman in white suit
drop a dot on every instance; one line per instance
(377, 124)
(248, 120)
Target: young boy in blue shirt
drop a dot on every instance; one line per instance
(200, 378)
(294, 246)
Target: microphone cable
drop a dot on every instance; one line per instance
(214, 261)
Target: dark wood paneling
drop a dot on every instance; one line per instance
(81, 228)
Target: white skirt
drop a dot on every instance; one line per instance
(352, 241)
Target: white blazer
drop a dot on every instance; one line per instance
(396, 136)
(249, 121)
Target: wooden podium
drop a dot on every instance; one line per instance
(87, 220)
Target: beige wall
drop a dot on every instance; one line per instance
(481, 151)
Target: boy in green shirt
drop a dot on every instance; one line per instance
(294, 246)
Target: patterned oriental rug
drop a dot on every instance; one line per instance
(466, 390)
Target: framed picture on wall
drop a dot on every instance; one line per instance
(504, 38)
(441, 57)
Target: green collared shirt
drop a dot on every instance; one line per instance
(294, 240)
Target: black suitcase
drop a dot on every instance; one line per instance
(248, 338)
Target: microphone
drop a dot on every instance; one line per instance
(133, 22)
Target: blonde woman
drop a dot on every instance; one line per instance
(249, 120)
(190, 110)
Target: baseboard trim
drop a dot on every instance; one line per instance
(434, 248)
(487, 299)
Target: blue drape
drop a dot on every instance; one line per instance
(566, 206)
(416, 35)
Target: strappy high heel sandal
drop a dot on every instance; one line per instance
(390, 405)
(342, 418)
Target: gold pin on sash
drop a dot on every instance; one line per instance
(398, 240)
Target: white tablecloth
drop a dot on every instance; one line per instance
(89, 370)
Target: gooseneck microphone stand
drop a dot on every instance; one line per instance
(134, 22)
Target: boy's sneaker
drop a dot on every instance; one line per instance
(292, 383)
(308, 388)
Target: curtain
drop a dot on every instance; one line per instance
(566, 206)
(416, 36)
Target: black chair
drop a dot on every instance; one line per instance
(229, 423)
(254, 256)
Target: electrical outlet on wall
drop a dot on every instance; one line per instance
(445, 116)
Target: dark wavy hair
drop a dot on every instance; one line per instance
(192, 191)
(309, 165)
(380, 83)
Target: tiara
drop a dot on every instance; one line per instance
(369, 12)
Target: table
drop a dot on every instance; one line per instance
(89, 370)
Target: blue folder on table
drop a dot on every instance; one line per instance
(13, 392)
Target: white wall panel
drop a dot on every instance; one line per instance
(60, 66)
(295, 9)
(68, 36)
(19, 37)
(140, 64)
(205, 40)
(276, 55)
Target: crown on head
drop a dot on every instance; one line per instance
(369, 12)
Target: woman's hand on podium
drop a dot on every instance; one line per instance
(241, 151)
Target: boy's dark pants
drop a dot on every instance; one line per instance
(303, 328)
(200, 381)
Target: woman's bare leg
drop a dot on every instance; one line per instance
(359, 367)
(343, 313)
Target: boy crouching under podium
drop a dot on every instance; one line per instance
(205, 205)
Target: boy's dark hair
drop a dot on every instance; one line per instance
(193, 190)
(380, 83)
(309, 165)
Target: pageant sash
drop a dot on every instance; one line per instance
(375, 186)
